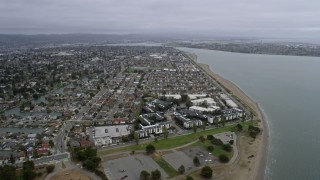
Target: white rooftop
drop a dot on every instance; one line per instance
(112, 131)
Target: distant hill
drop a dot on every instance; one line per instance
(32, 41)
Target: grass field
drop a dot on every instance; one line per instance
(166, 166)
(175, 141)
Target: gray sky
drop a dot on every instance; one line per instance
(208, 17)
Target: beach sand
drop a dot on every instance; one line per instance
(244, 168)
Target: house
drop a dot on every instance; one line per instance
(45, 145)
(85, 143)
(42, 151)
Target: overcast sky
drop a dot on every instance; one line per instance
(271, 18)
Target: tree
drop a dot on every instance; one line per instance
(165, 132)
(150, 149)
(28, 170)
(8, 172)
(51, 143)
(227, 147)
(202, 139)
(243, 118)
(231, 142)
(188, 103)
(209, 137)
(239, 127)
(216, 142)
(181, 169)
(184, 98)
(136, 137)
(12, 159)
(210, 148)
(206, 172)
(90, 165)
(50, 168)
(223, 121)
(194, 127)
(204, 125)
(223, 158)
(189, 178)
(253, 131)
(144, 175)
(156, 175)
(196, 161)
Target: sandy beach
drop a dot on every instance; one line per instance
(255, 170)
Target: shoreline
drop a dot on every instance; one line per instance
(259, 167)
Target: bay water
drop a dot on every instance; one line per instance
(287, 88)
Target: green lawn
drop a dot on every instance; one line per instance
(171, 172)
(175, 141)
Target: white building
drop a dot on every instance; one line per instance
(199, 109)
(188, 123)
(229, 102)
(174, 96)
(208, 101)
(105, 135)
(195, 96)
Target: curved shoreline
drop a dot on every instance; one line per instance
(259, 168)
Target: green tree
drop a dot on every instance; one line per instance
(136, 137)
(181, 169)
(202, 139)
(223, 121)
(28, 170)
(50, 168)
(223, 158)
(51, 143)
(189, 178)
(188, 103)
(209, 137)
(204, 126)
(12, 159)
(239, 127)
(185, 98)
(196, 161)
(8, 172)
(156, 175)
(206, 172)
(165, 132)
(210, 148)
(144, 175)
(217, 142)
(194, 127)
(243, 118)
(150, 149)
(231, 142)
(90, 165)
(227, 147)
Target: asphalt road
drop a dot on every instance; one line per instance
(56, 157)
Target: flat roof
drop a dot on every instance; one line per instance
(112, 131)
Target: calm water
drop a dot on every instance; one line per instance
(287, 89)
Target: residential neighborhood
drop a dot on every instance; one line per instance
(57, 100)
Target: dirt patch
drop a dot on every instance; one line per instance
(70, 175)
(106, 158)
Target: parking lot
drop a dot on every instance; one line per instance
(226, 137)
(203, 155)
(130, 167)
(178, 158)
